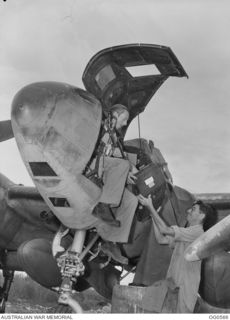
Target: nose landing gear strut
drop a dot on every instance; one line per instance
(71, 266)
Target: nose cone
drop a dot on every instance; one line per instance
(29, 105)
(34, 105)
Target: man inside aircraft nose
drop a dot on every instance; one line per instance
(116, 172)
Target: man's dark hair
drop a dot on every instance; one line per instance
(210, 214)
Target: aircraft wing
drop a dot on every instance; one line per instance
(24, 215)
(220, 201)
(130, 74)
(217, 238)
(28, 203)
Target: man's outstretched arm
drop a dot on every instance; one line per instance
(164, 229)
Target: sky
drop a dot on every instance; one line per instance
(188, 119)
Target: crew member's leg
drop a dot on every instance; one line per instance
(125, 214)
(139, 237)
(111, 234)
(115, 174)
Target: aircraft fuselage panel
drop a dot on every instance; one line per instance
(56, 127)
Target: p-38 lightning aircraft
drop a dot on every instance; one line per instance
(57, 127)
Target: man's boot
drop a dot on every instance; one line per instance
(104, 212)
(112, 250)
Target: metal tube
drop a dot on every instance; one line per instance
(78, 241)
(88, 247)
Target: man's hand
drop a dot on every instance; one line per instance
(131, 178)
(146, 202)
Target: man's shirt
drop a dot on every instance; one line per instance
(182, 273)
(110, 141)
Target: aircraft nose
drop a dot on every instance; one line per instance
(29, 105)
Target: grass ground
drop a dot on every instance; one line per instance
(27, 296)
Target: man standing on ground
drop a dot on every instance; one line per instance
(182, 275)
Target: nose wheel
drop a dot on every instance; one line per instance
(71, 268)
(71, 265)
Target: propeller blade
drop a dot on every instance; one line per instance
(214, 240)
(6, 131)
